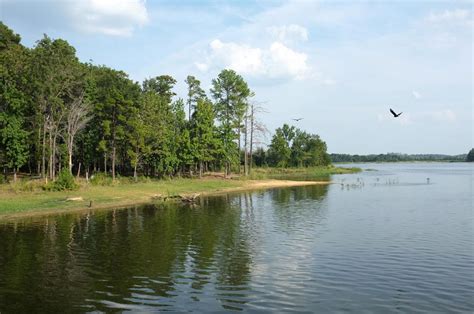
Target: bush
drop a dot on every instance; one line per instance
(27, 186)
(101, 178)
(64, 182)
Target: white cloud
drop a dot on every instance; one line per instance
(286, 61)
(110, 17)
(443, 115)
(276, 61)
(289, 33)
(416, 94)
(241, 58)
(451, 16)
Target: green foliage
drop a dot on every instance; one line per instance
(230, 92)
(293, 147)
(470, 156)
(64, 182)
(102, 179)
(195, 92)
(131, 128)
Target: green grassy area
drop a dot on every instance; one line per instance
(311, 173)
(13, 200)
(28, 196)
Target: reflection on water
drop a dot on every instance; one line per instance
(381, 241)
(139, 258)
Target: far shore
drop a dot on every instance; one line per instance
(29, 204)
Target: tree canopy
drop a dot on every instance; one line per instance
(59, 113)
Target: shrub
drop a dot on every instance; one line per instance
(101, 178)
(64, 182)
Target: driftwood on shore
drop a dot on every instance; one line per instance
(185, 198)
(74, 199)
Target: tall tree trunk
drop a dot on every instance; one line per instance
(70, 161)
(105, 162)
(246, 144)
(251, 138)
(240, 148)
(70, 142)
(14, 174)
(50, 167)
(55, 137)
(135, 172)
(43, 156)
(78, 171)
(113, 161)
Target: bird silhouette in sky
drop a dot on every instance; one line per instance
(395, 115)
(298, 119)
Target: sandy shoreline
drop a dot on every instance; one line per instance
(250, 185)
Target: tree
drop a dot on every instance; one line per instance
(140, 132)
(256, 129)
(202, 133)
(230, 92)
(77, 118)
(56, 76)
(14, 99)
(280, 151)
(195, 93)
(308, 150)
(292, 147)
(14, 140)
(116, 97)
(161, 85)
(470, 156)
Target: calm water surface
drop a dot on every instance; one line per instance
(379, 241)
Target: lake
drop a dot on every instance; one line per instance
(396, 238)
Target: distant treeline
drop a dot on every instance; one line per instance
(394, 157)
(59, 113)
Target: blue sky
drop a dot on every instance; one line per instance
(339, 65)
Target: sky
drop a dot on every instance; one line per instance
(339, 65)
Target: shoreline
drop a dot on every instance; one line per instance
(147, 198)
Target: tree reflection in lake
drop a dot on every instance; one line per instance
(148, 256)
(294, 207)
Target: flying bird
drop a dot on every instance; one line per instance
(298, 119)
(395, 115)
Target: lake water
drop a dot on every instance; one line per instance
(379, 241)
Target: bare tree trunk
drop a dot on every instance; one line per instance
(14, 174)
(78, 171)
(251, 137)
(54, 153)
(240, 148)
(50, 167)
(43, 157)
(246, 144)
(70, 160)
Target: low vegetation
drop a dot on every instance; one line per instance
(396, 157)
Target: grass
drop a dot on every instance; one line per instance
(12, 200)
(27, 196)
(311, 173)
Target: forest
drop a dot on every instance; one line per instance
(58, 113)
